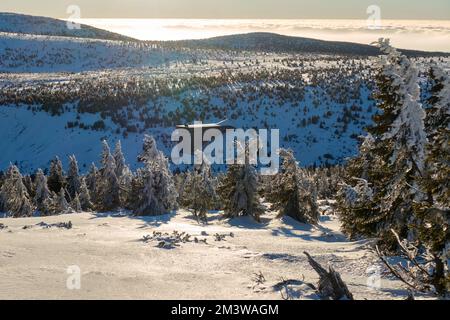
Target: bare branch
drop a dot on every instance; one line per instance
(393, 270)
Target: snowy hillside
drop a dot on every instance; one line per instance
(270, 42)
(20, 23)
(320, 125)
(85, 90)
(362, 185)
(116, 263)
(38, 53)
(26, 141)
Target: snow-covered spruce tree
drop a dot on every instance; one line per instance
(57, 204)
(396, 155)
(2, 178)
(119, 159)
(355, 206)
(150, 150)
(179, 179)
(432, 229)
(73, 178)
(326, 180)
(123, 173)
(108, 187)
(42, 193)
(198, 191)
(292, 191)
(125, 186)
(435, 178)
(29, 185)
(153, 187)
(432, 212)
(359, 213)
(75, 204)
(135, 195)
(372, 164)
(406, 161)
(56, 179)
(436, 78)
(92, 179)
(2, 181)
(238, 191)
(84, 196)
(14, 198)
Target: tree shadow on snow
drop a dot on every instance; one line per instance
(247, 222)
(395, 293)
(155, 221)
(149, 221)
(296, 229)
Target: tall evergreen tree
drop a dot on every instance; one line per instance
(153, 184)
(432, 212)
(359, 214)
(73, 178)
(150, 150)
(437, 170)
(42, 193)
(238, 191)
(2, 178)
(14, 198)
(394, 158)
(29, 185)
(199, 191)
(56, 179)
(292, 191)
(92, 179)
(408, 138)
(436, 79)
(85, 197)
(75, 204)
(123, 173)
(108, 184)
(119, 158)
(125, 182)
(57, 203)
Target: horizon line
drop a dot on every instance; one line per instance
(225, 18)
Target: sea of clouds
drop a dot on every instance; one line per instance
(432, 35)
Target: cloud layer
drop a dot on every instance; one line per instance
(419, 34)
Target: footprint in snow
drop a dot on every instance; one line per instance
(8, 254)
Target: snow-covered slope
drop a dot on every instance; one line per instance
(316, 132)
(116, 264)
(55, 88)
(33, 139)
(20, 23)
(38, 53)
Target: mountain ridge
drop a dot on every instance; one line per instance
(38, 25)
(274, 42)
(254, 41)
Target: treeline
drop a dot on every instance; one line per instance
(154, 190)
(148, 191)
(138, 102)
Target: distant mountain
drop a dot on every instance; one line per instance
(20, 23)
(259, 41)
(63, 91)
(272, 42)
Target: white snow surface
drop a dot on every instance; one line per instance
(116, 264)
(44, 53)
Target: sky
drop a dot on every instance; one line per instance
(234, 9)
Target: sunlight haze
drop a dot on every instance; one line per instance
(234, 9)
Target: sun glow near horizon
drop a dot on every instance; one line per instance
(428, 35)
